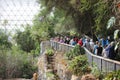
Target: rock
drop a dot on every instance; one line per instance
(74, 77)
(88, 77)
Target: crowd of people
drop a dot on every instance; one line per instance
(101, 47)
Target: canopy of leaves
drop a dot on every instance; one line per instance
(24, 40)
(4, 42)
(83, 15)
(43, 26)
(16, 63)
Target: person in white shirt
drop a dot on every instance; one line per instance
(91, 45)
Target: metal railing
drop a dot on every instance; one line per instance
(104, 64)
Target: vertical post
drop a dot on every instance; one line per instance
(114, 66)
(63, 48)
(92, 61)
(56, 45)
(101, 64)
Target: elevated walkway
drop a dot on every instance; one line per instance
(104, 64)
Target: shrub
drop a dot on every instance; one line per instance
(16, 64)
(2, 64)
(96, 72)
(27, 70)
(115, 75)
(77, 50)
(50, 74)
(50, 52)
(79, 65)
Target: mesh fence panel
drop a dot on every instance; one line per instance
(17, 13)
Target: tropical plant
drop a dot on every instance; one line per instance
(16, 63)
(79, 65)
(96, 72)
(36, 51)
(43, 25)
(24, 40)
(4, 42)
(27, 70)
(115, 75)
(76, 51)
(50, 52)
(85, 16)
(84, 13)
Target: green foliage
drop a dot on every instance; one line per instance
(103, 13)
(96, 72)
(4, 43)
(50, 52)
(50, 74)
(42, 28)
(79, 65)
(16, 63)
(118, 54)
(73, 33)
(27, 70)
(24, 40)
(63, 24)
(2, 64)
(77, 50)
(115, 75)
(36, 51)
(70, 8)
(85, 15)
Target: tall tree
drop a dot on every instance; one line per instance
(25, 40)
(87, 15)
(4, 42)
(43, 25)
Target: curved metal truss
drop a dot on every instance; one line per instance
(14, 13)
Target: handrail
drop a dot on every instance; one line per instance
(104, 64)
(107, 59)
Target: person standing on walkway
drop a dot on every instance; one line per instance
(112, 53)
(104, 52)
(103, 42)
(87, 44)
(99, 50)
(91, 45)
(72, 42)
(95, 48)
(80, 42)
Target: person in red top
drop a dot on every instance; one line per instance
(76, 39)
(80, 42)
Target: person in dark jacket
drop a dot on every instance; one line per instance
(112, 53)
(99, 49)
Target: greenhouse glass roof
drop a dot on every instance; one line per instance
(14, 13)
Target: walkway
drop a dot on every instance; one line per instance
(104, 64)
